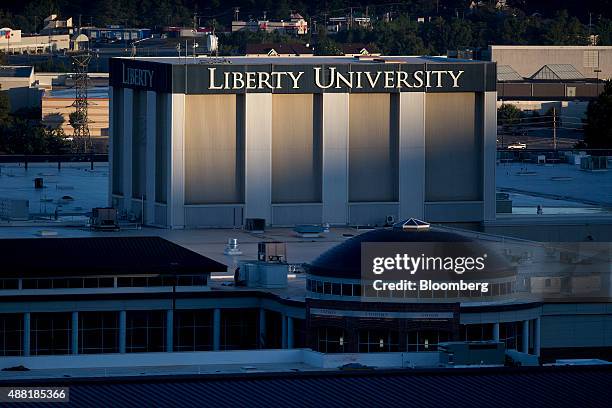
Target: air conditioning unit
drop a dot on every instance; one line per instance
(255, 224)
(272, 252)
(104, 219)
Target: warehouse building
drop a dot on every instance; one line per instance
(338, 140)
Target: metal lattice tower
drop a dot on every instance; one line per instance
(81, 142)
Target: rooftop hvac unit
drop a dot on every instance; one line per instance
(104, 219)
(38, 182)
(593, 163)
(272, 252)
(472, 353)
(262, 275)
(255, 224)
(14, 209)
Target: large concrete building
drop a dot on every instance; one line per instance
(528, 60)
(339, 140)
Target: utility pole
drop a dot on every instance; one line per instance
(597, 71)
(554, 112)
(81, 142)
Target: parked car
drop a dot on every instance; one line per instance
(518, 145)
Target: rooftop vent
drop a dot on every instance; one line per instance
(412, 224)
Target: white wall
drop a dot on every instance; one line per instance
(258, 163)
(335, 158)
(208, 358)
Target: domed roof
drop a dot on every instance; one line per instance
(344, 260)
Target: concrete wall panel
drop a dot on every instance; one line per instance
(213, 165)
(335, 127)
(372, 149)
(258, 164)
(296, 150)
(453, 148)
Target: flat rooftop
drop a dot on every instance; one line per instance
(559, 188)
(240, 60)
(498, 387)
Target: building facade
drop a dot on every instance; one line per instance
(527, 60)
(148, 295)
(12, 42)
(338, 140)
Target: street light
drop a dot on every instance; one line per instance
(597, 71)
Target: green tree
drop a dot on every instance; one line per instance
(5, 106)
(604, 31)
(598, 123)
(565, 30)
(75, 119)
(508, 115)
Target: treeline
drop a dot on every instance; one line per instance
(477, 30)
(449, 24)
(22, 133)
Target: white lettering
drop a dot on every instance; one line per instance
(318, 78)
(389, 78)
(251, 79)
(295, 79)
(455, 78)
(402, 79)
(211, 79)
(264, 78)
(375, 81)
(341, 78)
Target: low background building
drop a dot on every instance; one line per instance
(58, 104)
(13, 42)
(19, 82)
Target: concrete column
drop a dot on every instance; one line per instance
(74, 345)
(122, 331)
(496, 331)
(217, 329)
(262, 328)
(284, 331)
(490, 153)
(536, 337)
(111, 136)
(289, 332)
(126, 144)
(169, 330)
(258, 161)
(335, 157)
(412, 155)
(176, 181)
(149, 215)
(26, 334)
(525, 345)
